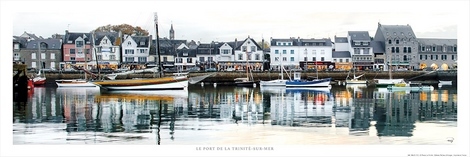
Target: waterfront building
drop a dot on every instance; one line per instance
(361, 50)
(437, 53)
(107, 49)
(76, 49)
(37, 53)
(136, 51)
(379, 55)
(248, 52)
(185, 58)
(206, 54)
(301, 53)
(400, 45)
(225, 56)
(168, 48)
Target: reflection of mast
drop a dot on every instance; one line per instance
(159, 121)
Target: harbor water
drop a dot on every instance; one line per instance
(228, 115)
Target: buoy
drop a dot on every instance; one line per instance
(339, 82)
(215, 84)
(202, 84)
(254, 84)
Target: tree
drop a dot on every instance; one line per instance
(264, 45)
(124, 28)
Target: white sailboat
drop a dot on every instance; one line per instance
(390, 81)
(355, 79)
(278, 82)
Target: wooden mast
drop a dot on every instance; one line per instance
(158, 44)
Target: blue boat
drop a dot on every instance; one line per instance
(298, 82)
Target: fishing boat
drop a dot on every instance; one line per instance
(413, 87)
(298, 82)
(445, 82)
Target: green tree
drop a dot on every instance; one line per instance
(264, 45)
(124, 28)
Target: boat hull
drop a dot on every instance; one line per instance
(273, 83)
(173, 83)
(74, 83)
(387, 82)
(422, 88)
(39, 81)
(246, 84)
(356, 81)
(313, 83)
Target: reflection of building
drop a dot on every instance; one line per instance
(301, 108)
(397, 115)
(439, 104)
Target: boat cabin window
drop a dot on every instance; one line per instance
(296, 76)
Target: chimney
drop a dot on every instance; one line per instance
(236, 43)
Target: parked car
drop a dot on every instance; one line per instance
(194, 69)
(211, 70)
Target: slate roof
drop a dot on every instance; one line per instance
(167, 46)
(341, 54)
(73, 36)
(377, 47)
(139, 39)
(359, 36)
(112, 36)
(22, 41)
(341, 39)
(432, 41)
(396, 31)
(51, 44)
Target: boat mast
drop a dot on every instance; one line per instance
(158, 44)
(390, 65)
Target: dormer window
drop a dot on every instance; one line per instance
(79, 43)
(129, 43)
(142, 43)
(357, 43)
(365, 43)
(185, 54)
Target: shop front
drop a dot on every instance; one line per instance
(319, 65)
(231, 66)
(363, 65)
(343, 66)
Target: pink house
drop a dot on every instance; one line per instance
(76, 49)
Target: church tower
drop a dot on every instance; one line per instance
(172, 33)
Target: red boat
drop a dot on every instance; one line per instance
(39, 80)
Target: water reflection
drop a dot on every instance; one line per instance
(168, 116)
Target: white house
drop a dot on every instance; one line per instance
(107, 49)
(135, 50)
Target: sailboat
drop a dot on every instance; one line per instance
(39, 80)
(75, 82)
(248, 80)
(390, 81)
(355, 79)
(177, 82)
(278, 82)
(316, 82)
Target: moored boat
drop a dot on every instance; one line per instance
(164, 83)
(409, 87)
(298, 82)
(74, 83)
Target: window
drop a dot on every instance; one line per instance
(291, 51)
(248, 56)
(72, 58)
(420, 57)
(347, 60)
(436, 56)
(112, 57)
(434, 49)
(334, 60)
(87, 51)
(305, 58)
(276, 58)
(179, 60)
(284, 59)
(129, 59)
(142, 59)
(185, 54)
(425, 57)
(129, 51)
(276, 51)
(142, 50)
(291, 59)
(33, 64)
(99, 57)
(129, 43)
(33, 55)
(405, 58)
(443, 57)
(389, 41)
(409, 49)
(244, 48)
(404, 50)
(322, 58)
(357, 51)
(398, 49)
(240, 57)
(72, 51)
(365, 43)
(397, 41)
(43, 55)
(16, 56)
(357, 43)
(366, 50)
(257, 57)
(79, 43)
(340, 60)
(393, 49)
(80, 51)
(453, 57)
(142, 43)
(201, 59)
(52, 65)
(314, 59)
(210, 59)
(253, 48)
(225, 51)
(284, 51)
(432, 57)
(423, 48)
(189, 60)
(455, 48)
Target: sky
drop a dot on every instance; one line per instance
(207, 21)
(225, 21)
